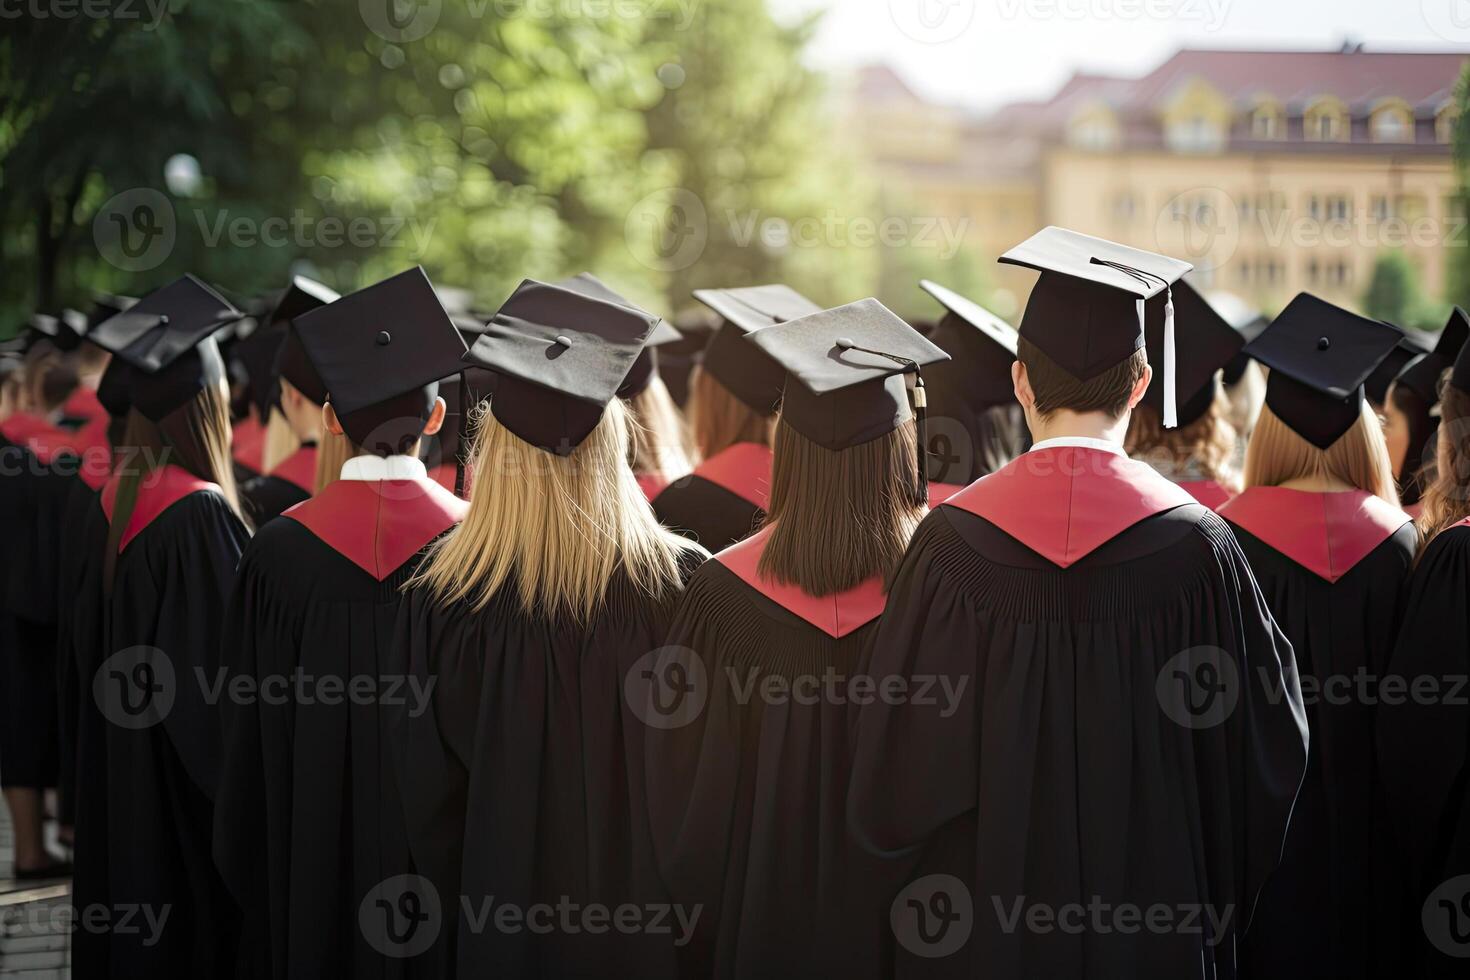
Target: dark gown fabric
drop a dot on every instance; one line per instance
(156, 783)
(266, 497)
(1091, 783)
(523, 783)
(1327, 911)
(748, 798)
(723, 501)
(1424, 752)
(309, 817)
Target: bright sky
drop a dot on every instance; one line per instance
(981, 53)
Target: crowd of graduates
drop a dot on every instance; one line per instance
(378, 635)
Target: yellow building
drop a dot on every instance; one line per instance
(1272, 171)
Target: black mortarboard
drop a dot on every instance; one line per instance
(982, 345)
(641, 373)
(1319, 356)
(380, 353)
(560, 357)
(1460, 375)
(106, 305)
(270, 352)
(168, 339)
(259, 353)
(1422, 375)
(1376, 387)
(1206, 342)
(744, 368)
(1086, 312)
(65, 331)
(299, 298)
(114, 388)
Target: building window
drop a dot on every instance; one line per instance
(1195, 135)
(1314, 272)
(1267, 123)
(1324, 122)
(1328, 207)
(1391, 124)
(1096, 133)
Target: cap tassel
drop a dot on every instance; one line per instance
(921, 405)
(464, 411)
(1171, 412)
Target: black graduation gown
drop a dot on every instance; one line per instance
(160, 751)
(723, 501)
(1332, 568)
(1101, 787)
(308, 818)
(523, 783)
(266, 497)
(1424, 753)
(747, 799)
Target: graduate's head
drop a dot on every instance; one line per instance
(1447, 501)
(1408, 426)
(197, 435)
(660, 437)
(719, 420)
(1051, 394)
(1279, 454)
(1206, 442)
(392, 433)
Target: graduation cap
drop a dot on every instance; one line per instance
(114, 388)
(380, 353)
(1460, 375)
(744, 368)
(106, 305)
(300, 297)
(1422, 374)
(646, 364)
(1206, 343)
(168, 340)
(1376, 387)
(65, 332)
(271, 351)
(560, 356)
(1086, 312)
(849, 365)
(1320, 355)
(982, 345)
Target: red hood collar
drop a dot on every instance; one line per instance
(1064, 503)
(836, 615)
(298, 469)
(379, 524)
(1325, 533)
(744, 469)
(157, 492)
(82, 403)
(1207, 492)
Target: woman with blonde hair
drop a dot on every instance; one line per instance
(732, 403)
(1320, 524)
(168, 539)
(1424, 741)
(522, 780)
(747, 799)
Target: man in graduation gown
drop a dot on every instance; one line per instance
(310, 818)
(1131, 736)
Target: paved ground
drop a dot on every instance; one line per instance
(34, 944)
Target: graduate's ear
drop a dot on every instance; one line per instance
(329, 419)
(436, 417)
(1022, 384)
(1136, 395)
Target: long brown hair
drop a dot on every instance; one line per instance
(1447, 501)
(1416, 412)
(661, 444)
(840, 517)
(1207, 443)
(719, 420)
(1359, 457)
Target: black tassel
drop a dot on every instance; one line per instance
(921, 431)
(464, 411)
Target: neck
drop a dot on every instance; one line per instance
(1318, 483)
(1067, 424)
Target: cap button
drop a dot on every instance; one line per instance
(562, 339)
(163, 319)
(384, 338)
(1323, 343)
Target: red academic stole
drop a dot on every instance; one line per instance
(1464, 523)
(379, 524)
(744, 469)
(157, 492)
(1415, 510)
(1207, 492)
(652, 484)
(940, 492)
(1066, 502)
(1325, 533)
(248, 448)
(836, 615)
(298, 469)
(82, 403)
(47, 442)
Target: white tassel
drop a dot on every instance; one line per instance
(1171, 413)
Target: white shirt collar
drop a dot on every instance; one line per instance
(368, 467)
(1082, 442)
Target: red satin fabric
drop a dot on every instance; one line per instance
(836, 615)
(157, 492)
(1326, 533)
(379, 524)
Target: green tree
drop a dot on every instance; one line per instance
(1392, 293)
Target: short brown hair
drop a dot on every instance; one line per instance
(1055, 388)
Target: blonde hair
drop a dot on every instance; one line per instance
(840, 517)
(280, 441)
(719, 420)
(332, 453)
(660, 443)
(1207, 443)
(1359, 457)
(1447, 501)
(555, 528)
